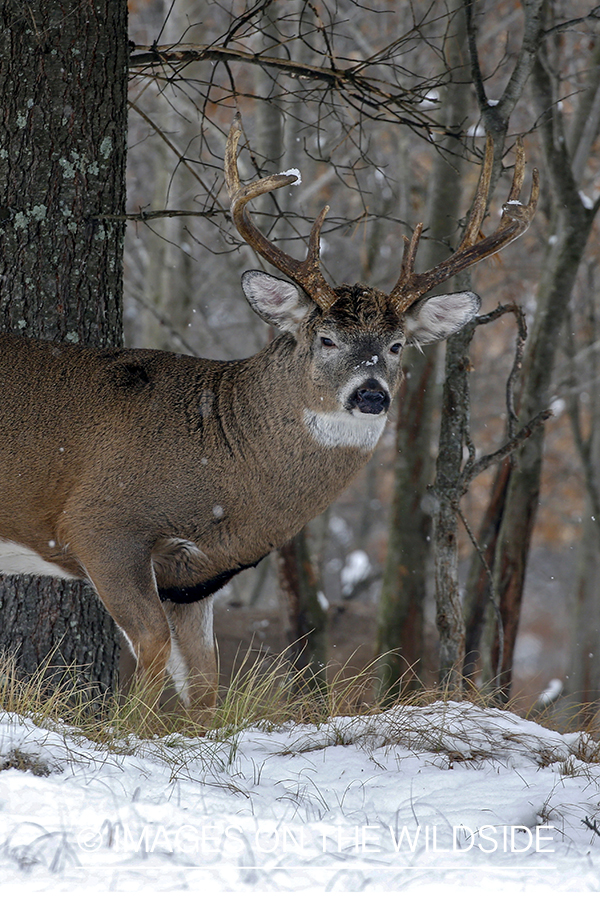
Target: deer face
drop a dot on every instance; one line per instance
(356, 350)
(352, 350)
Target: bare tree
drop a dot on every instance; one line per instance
(400, 638)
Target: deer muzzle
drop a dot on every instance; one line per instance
(371, 398)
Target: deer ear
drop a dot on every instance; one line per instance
(278, 302)
(437, 318)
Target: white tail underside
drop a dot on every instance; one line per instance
(18, 560)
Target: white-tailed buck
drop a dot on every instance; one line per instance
(158, 476)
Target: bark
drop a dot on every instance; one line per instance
(453, 437)
(523, 487)
(63, 81)
(307, 634)
(455, 408)
(400, 615)
(477, 588)
(45, 625)
(583, 684)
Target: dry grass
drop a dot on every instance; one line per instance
(262, 693)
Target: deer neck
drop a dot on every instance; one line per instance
(315, 452)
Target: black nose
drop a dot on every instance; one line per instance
(370, 398)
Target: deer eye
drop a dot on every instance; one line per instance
(396, 348)
(327, 342)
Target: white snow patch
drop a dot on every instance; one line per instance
(356, 568)
(587, 201)
(431, 98)
(297, 174)
(476, 131)
(323, 601)
(448, 795)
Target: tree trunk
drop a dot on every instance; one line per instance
(477, 589)
(453, 436)
(307, 634)
(515, 501)
(400, 615)
(522, 492)
(583, 686)
(63, 81)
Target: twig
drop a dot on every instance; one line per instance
(171, 146)
(346, 80)
(472, 471)
(491, 596)
(593, 826)
(146, 215)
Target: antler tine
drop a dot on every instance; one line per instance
(480, 202)
(515, 220)
(306, 272)
(410, 253)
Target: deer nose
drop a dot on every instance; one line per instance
(371, 397)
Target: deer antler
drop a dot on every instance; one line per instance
(515, 220)
(306, 272)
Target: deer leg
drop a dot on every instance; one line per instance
(124, 581)
(193, 662)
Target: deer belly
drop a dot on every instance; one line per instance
(16, 559)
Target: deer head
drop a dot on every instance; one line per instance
(358, 329)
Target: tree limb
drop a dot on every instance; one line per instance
(371, 91)
(472, 471)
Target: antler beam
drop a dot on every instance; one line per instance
(305, 273)
(516, 218)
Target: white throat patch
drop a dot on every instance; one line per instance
(345, 429)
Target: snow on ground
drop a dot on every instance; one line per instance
(447, 794)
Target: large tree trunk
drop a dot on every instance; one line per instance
(63, 83)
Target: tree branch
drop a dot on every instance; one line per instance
(146, 215)
(472, 471)
(373, 92)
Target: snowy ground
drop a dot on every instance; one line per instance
(448, 794)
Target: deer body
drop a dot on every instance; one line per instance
(155, 456)
(158, 476)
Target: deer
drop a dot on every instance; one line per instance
(157, 476)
